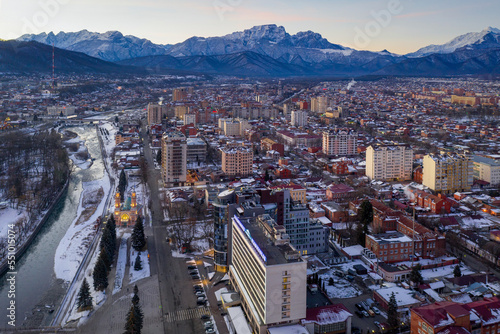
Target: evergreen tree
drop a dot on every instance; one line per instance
(135, 298)
(330, 281)
(457, 272)
(392, 312)
(415, 275)
(158, 157)
(138, 238)
(365, 219)
(111, 225)
(105, 258)
(138, 263)
(108, 243)
(100, 275)
(122, 185)
(84, 301)
(135, 318)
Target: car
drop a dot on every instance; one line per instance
(209, 324)
(365, 314)
(375, 310)
(201, 302)
(200, 294)
(209, 331)
(197, 288)
(359, 307)
(205, 317)
(377, 323)
(359, 314)
(193, 272)
(371, 313)
(195, 276)
(191, 267)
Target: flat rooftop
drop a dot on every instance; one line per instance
(273, 254)
(316, 299)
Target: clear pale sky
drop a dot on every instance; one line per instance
(411, 25)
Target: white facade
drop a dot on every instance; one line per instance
(58, 110)
(389, 163)
(189, 119)
(299, 118)
(272, 287)
(487, 169)
(340, 142)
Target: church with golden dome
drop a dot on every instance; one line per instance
(126, 214)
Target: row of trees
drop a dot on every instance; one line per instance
(106, 255)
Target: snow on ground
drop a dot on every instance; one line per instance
(443, 272)
(83, 164)
(121, 264)
(98, 297)
(79, 235)
(9, 216)
(341, 288)
(144, 272)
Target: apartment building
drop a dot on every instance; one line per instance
(269, 274)
(389, 162)
(447, 172)
(487, 168)
(156, 112)
(390, 247)
(299, 118)
(196, 150)
(237, 161)
(174, 158)
(340, 142)
(234, 127)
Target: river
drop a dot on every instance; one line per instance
(36, 284)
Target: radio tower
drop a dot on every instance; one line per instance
(53, 69)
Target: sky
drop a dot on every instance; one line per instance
(400, 26)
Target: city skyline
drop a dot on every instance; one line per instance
(363, 25)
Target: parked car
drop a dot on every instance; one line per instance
(359, 314)
(195, 276)
(365, 314)
(359, 307)
(377, 324)
(205, 317)
(209, 331)
(209, 324)
(375, 310)
(371, 313)
(193, 272)
(191, 267)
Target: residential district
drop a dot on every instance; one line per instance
(298, 207)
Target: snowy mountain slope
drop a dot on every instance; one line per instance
(110, 46)
(486, 39)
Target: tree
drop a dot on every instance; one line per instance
(135, 318)
(330, 281)
(84, 301)
(108, 243)
(105, 258)
(138, 263)
(135, 298)
(457, 272)
(366, 213)
(100, 275)
(392, 312)
(122, 185)
(158, 157)
(138, 238)
(415, 275)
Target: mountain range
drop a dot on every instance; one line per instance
(269, 51)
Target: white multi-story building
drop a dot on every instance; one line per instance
(389, 163)
(237, 161)
(487, 168)
(340, 142)
(174, 158)
(60, 110)
(189, 119)
(269, 274)
(447, 172)
(299, 118)
(234, 127)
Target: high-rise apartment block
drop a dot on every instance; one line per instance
(487, 168)
(268, 272)
(181, 93)
(299, 118)
(233, 127)
(447, 172)
(156, 112)
(389, 162)
(340, 142)
(237, 161)
(174, 156)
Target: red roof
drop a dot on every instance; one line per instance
(336, 312)
(483, 309)
(437, 313)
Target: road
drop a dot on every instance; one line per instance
(178, 302)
